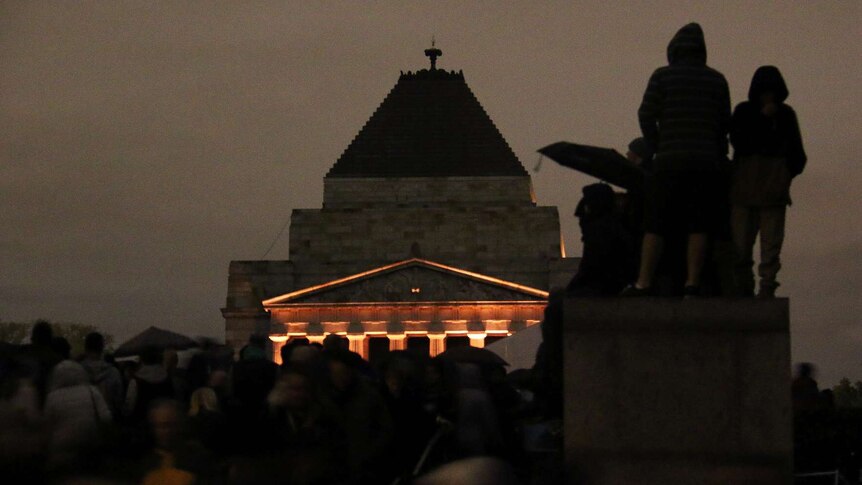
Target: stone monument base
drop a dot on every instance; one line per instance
(665, 391)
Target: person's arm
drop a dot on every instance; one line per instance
(650, 111)
(796, 157)
(725, 119)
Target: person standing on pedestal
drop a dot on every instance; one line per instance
(685, 118)
(607, 262)
(768, 154)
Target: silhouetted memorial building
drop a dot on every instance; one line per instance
(429, 236)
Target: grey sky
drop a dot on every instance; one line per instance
(143, 146)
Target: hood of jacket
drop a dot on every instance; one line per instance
(687, 46)
(767, 78)
(68, 373)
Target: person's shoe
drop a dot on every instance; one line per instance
(691, 291)
(633, 291)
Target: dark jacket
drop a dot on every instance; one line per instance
(107, 379)
(767, 150)
(607, 262)
(685, 112)
(753, 133)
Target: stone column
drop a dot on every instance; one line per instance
(397, 341)
(477, 340)
(357, 344)
(277, 343)
(437, 343)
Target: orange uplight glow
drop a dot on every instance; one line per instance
(409, 262)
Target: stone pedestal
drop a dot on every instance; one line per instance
(664, 391)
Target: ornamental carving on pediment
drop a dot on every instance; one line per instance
(415, 284)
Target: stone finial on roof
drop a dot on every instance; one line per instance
(433, 53)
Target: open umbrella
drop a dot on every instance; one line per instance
(154, 337)
(603, 163)
(472, 355)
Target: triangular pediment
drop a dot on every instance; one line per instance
(413, 280)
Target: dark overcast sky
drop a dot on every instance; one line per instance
(145, 145)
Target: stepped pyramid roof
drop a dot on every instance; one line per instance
(429, 125)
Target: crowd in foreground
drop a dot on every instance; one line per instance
(326, 416)
(323, 416)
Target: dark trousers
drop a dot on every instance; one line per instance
(746, 223)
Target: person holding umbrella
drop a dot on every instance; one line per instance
(685, 119)
(608, 259)
(150, 383)
(638, 153)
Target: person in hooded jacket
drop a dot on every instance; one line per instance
(768, 154)
(74, 412)
(685, 118)
(103, 375)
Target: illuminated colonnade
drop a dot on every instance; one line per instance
(400, 322)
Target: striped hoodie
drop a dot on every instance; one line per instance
(685, 113)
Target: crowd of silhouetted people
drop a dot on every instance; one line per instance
(324, 415)
(826, 437)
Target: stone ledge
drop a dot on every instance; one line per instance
(666, 314)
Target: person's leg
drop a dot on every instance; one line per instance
(656, 207)
(695, 255)
(771, 240)
(744, 226)
(698, 194)
(650, 254)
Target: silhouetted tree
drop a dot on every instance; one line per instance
(19, 333)
(14, 332)
(848, 395)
